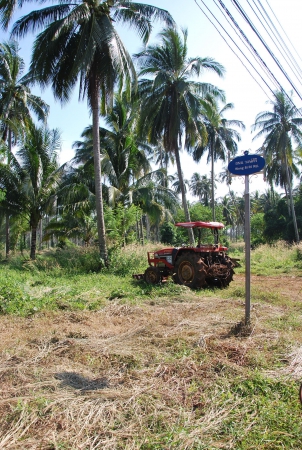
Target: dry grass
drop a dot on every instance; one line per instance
(140, 377)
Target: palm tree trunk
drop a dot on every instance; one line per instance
(33, 245)
(137, 227)
(137, 231)
(124, 230)
(95, 100)
(7, 236)
(212, 183)
(157, 236)
(147, 227)
(287, 200)
(41, 234)
(7, 226)
(291, 201)
(47, 223)
(141, 230)
(183, 196)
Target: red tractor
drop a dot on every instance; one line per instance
(196, 267)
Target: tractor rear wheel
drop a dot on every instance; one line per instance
(190, 270)
(152, 275)
(221, 273)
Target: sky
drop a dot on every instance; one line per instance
(248, 95)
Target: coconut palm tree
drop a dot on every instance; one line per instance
(32, 178)
(269, 199)
(171, 99)
(222, 139)
(276, 174)
(228, 210)
(162, 159)
(233, 212)
(9, 189)
(17, 103)
(200, 186)
(79, 42)
(124, 156)
(156, 201)
(76, 191)
(76, 225)
(125, 162)
(175, 183)
(281, 129)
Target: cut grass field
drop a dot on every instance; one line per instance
(101, 361)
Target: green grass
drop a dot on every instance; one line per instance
(279, 258)
(182, 374)
(71, 279)
(266, 414)
(26, 293)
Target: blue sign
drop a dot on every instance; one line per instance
(246, 164)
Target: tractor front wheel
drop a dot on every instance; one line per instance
(152, 275)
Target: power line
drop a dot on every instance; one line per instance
(251, 46)
(236, 45)
(258, 56)
(284, 50)
(281, 38)
(252, 49)
(244, 39)
(226, 15)
(246, 18)
(283, 30)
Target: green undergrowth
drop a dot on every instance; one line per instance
(266, 413)
(252, 413)
(29, 292)
(270, 260)
(75, 279)
(82, 260)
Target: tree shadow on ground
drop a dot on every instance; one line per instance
(76, 381)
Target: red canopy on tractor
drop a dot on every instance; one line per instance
(199, 224)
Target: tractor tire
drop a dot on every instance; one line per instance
(152, 275)
(229, 276)
(220, 275)
(190, 270)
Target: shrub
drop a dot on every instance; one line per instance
(168, 233)
(13, 299)
(298, 253)
(128, 260)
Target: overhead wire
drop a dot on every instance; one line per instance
(283, 48)
(236, 45)
(226, 15)
(283, 30)
(263, 63)
(289, 98)
(247, 19)
(294, 61)
(265, 67)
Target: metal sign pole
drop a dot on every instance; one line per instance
(247, 235)
(247, 165)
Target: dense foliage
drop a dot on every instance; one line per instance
(118, 188)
